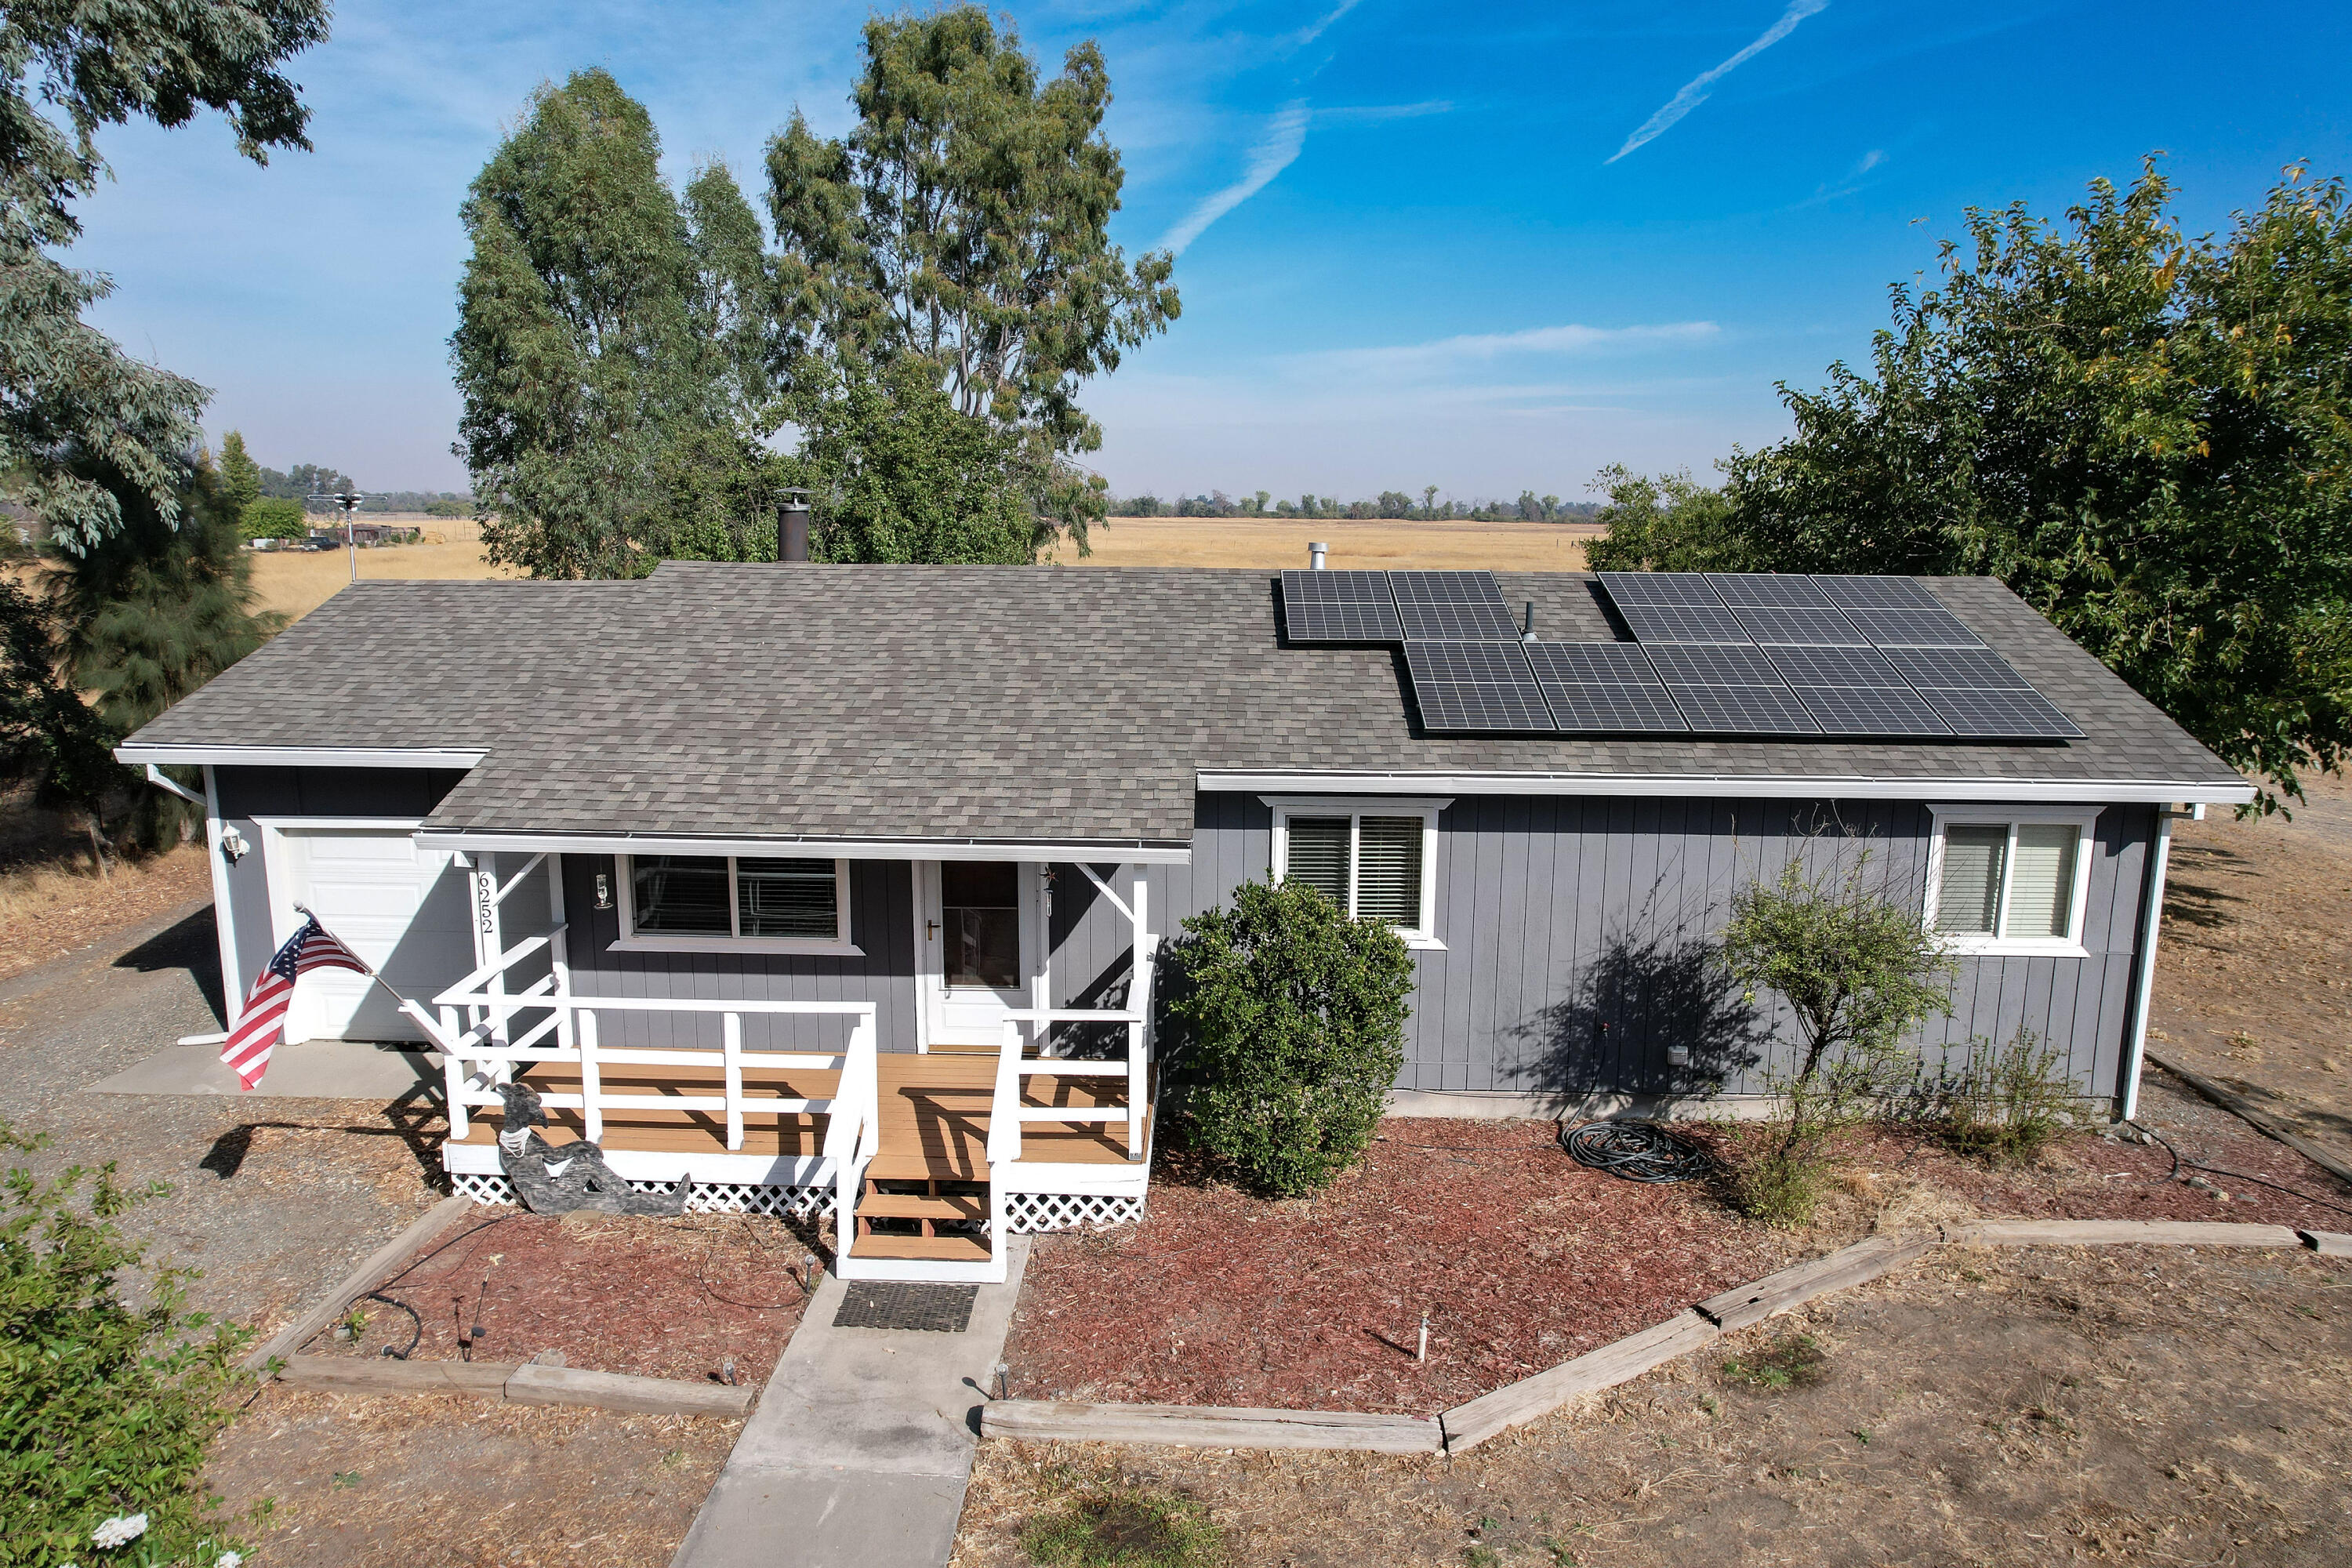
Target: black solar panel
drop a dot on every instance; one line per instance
(2002, 715)
(1956, 668)
(1877, 593)
(1698, 624)
(1475, 687)
(1602, 686)
(1800, 626)
(1451, 605)
(1659, 588)
(1914, 628)
(1731, 690)
(1338, 606)
(1854, 691)
(1784, 590)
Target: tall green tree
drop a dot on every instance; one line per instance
(902, 474)
(2147, 434)
(240, 476)
(964, 224)
(68, 395)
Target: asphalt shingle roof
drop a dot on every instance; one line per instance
(1001, 703)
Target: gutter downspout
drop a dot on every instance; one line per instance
(224, 911)
(2151, 917)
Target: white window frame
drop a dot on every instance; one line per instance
(1357, 807)
(2082, 819)
(632, 940)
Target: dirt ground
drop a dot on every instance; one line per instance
(2253, 984)
(52, 906)
(464, 1483)
(1521, 1257)
(2127, 1404)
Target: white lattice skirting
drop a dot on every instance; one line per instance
(1025, 1214)
(708, 1197)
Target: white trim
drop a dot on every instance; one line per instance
(1774, 786)
(302, 756)
(1423, 936)
(2151, 919)
(807, 844)
(632, 940)
(1979, 943)
(223, 909)
(157, 777)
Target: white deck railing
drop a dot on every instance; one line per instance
(478, 1056)
(1007, 1114)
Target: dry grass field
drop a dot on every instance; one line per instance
(295, 583)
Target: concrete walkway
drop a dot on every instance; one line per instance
(317, 1069)
(858, 1452)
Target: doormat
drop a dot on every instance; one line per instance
(941, 1309)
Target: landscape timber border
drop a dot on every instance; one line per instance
(1469, 1425)
(2254, 1116)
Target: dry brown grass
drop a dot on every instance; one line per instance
(295, 582)
(48, 907)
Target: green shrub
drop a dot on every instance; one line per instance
(1859, 972)
(274, 517)
(105, 1408)
(1110, 1524)
(1295, 1021)
(2006, 1103)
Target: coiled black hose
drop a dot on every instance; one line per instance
(1637, 1150)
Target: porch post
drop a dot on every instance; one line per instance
(1138, 999)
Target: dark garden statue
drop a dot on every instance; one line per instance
(552, 1181)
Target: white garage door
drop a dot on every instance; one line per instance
(401, 908)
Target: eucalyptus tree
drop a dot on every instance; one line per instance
(71, 402)
(963, 222)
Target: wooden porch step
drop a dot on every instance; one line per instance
(911, 1205)
(931, 1248)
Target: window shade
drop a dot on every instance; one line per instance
(1318, 855)
(1388, 874)
(1969, 899)
(787, 898)
(2042, 884)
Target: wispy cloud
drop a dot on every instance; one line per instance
(1375, 113)
(1693, 91)
(1480, 348)
(1275, 151)
(1314, 30)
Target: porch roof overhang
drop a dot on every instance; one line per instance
(1713, 785)
(1091, 851)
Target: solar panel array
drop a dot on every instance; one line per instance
(1754, 654)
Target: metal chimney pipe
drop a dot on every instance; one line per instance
(1529, 634)
(793, 526)
(1315, 557)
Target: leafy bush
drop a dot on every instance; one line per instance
(1295, 1014)
(1110, 1524)
(273, 516)
(1859, 972)
(105, 1408)
(2006, 1103)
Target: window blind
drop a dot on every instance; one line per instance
(1388, 872)
(1969, 899)
(787, 898)
(684, 895)
(1318, 855)
(2041, 883)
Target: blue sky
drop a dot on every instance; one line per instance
(1488, 248)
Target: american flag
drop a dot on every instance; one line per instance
(263, 1019)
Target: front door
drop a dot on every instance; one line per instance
(979, 948)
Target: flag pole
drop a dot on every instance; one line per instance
(306, 914)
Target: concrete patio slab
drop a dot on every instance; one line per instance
(861, 1446)
(321, 1069)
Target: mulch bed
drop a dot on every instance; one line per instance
(1523, 1259)
(674, 1298)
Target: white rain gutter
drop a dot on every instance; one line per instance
(303, 756)
(1130, 852)
(1776, 786)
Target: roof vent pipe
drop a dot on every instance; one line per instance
(793, 526)
(1528, 634)
(1315, 557)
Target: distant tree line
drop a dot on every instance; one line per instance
(2146, 436)
(1529, 508)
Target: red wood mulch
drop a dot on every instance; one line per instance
(1522, 1258)
(675, 1298)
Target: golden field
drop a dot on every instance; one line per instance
(295, 583)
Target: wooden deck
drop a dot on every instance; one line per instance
(934, 1114)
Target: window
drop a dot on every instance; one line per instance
(980, 916)
(727, 903)
(1377, 860)
(2010, 882)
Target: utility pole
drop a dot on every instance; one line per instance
(347, 498)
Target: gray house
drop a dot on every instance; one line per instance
(844, 886)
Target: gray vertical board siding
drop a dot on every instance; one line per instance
(881, 916)
(245, 792)
(1580, 939)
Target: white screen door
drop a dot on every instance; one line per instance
(977, 947)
